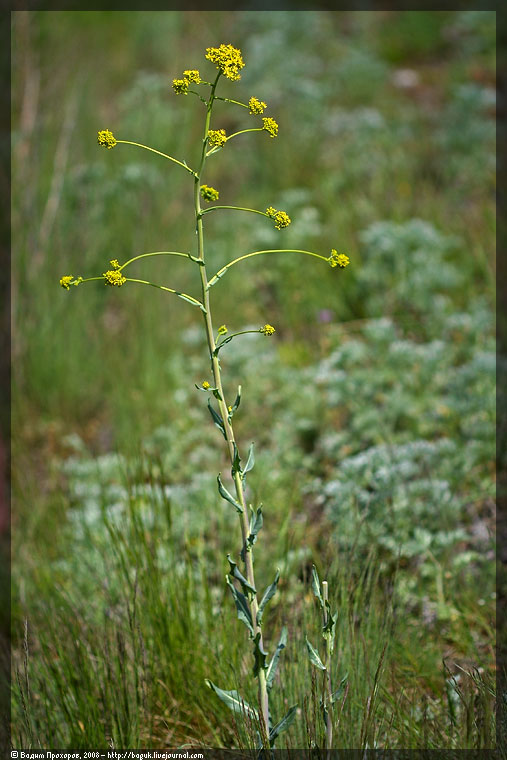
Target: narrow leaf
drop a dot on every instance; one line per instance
(316, 586)
(224, 493)
(233, 700)
(255, 526)
(216, 419)
(314, 657)
(236, 461)
(329, 629)
(249, 462)
(216, 393)
(338, 694)
(273, 665)
(236, 404)
(283, 725)
(242, 607)
(247, 588)
(260, 656)
(268, 594)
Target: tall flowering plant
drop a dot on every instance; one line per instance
(250, 604)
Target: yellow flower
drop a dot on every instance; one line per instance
(280, 218)
(228, 60)
(205, 385)
(114, 277)
(217, 137)
(338, 259)
(106, 138)
(229, 409)
(66, 281)
(115, 263)
(222, 330)
(192, 75)
(270, 126)
(209, 193)
(267, 330)
(180, 86)
(256, 106)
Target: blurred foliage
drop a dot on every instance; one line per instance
(372, 408)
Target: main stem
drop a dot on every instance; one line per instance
(229, 432)
(327, 674)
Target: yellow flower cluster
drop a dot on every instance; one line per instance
(205, 385)
(115, 263)
(114, 277)
(180, 86)
(280, 218)
(209, 193)
(227, 59)
(106, 138)
(338, 259)
(192, 75)
(222, 330)
(267, 330)
(270, 126)
(256, 106)
(66, 281)
(217, 137)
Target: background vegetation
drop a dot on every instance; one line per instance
(372, 408)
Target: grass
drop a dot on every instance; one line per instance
(372, 409)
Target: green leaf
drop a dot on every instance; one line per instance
(329, 629)
(316, 586)
(245, 585)
(268, 594)
(236, 461)
(233, 700)
(249, 462)
(216, 393)
(273, 665)
(314, 656)
(255, 526)
(224, 493)
(236, 404)
(325, 713)
(242, 607)
(259, 655)
(216, 419)
(283, 725)
(338, 694)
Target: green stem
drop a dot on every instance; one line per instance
(242, 132)
(157, 253)
(184, 296)
(234, 208)
(327, 674)
(224, 269)
(229, 432)
(159, 153)
(230, 337)
(229, 100)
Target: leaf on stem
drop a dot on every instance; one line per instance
(255, 526)
(283, 725)
(314, 656)
(234, 701)
(338, 694)
(217, 419)
(235, 573)
(224, 493)
(236, 461)
(249, 462)
(242, 607)
(259, 655)
(273, 665)
(316, 586)
(268, 594)
(236, 404)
